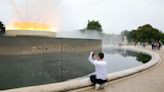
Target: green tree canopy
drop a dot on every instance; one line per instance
(2, 28)
(94, 25)
(145, 33)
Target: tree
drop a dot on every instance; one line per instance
(94, 25)
(162, 40)
(131, 35)
(145, 33)
(2, 28)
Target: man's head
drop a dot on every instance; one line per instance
(101, 55)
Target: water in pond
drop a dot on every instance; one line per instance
(21, 71)
(121, 59)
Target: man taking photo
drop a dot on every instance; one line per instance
(100, 76)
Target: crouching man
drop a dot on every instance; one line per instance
(100, 76)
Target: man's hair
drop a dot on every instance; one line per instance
(101, 55)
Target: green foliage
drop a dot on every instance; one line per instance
(131, 35)
(145, 33)
(162, 38)
(94, 25)
(2, 28)
(143, 58)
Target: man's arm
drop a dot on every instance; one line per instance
(90, 58)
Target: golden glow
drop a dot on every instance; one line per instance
(31, 26)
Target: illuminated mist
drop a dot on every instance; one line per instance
(39, 15)
(31, 26)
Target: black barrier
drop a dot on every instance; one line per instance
(28, 61)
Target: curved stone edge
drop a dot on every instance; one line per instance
(84, 82)
(155, 59)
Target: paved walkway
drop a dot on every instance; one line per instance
(151, 80)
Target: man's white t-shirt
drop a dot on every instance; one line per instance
(100, 67)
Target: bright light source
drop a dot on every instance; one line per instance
(30, 26)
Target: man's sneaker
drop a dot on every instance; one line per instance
(97, 86)
(102, 86)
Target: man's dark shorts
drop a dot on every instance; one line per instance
(94, 80)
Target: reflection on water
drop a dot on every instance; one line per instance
(67, 62)
(19, 71)
(140, 57)
(121, 59)
(29, 61)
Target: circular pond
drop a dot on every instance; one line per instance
(30, 70)
(121, 59)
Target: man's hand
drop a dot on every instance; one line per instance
(92, 54)
(91, 57)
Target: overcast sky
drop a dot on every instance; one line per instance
(66, 15)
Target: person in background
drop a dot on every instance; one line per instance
(100, 77)
(159, 45)
(153, 46)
